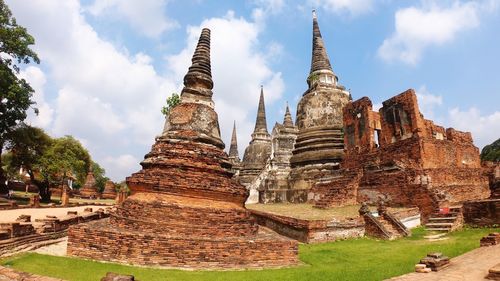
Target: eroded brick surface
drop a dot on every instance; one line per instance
(405, 159)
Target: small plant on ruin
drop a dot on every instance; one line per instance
(172, 101)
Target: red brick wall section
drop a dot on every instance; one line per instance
(483, 213)
(310, 231)
(358, 130)
(99, 240)
(400, 118)
(17, 229)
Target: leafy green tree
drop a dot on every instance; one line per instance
(66, 157)
(99, 175)
(15, 93)
(26, 145)
(172, 101)
(491, 152)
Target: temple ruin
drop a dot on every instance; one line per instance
(184, 205)
(396, 156)
(341, 152)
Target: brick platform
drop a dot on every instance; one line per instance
(99, 240)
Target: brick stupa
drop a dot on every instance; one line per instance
(185, 210)
(89, 189)
(109, 191)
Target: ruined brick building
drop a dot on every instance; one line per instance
(397, 156)
(341, 152)
(185, 210)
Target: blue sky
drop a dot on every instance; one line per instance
(108, 65)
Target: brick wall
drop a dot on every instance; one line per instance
(482, 212)
(99, 240)
(310, 231)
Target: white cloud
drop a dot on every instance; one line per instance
(146, 16)
(351, 7)
(238, 70)
(418, 28)
(125, 164)
(110, 100)
(484, 128)
(103, 96)
(427, 102)
(37, 80)
(272, 6)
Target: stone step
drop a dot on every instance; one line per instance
(439, 224)
(442, 218)
(438, 229)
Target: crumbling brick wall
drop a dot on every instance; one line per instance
(407, 160)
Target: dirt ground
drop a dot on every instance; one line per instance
(39, 213)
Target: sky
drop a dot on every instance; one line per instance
(107, 66)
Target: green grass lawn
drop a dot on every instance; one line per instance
(356, 259)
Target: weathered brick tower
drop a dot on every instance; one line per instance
(319, 145)
(185, 210)
(89, 189)
(234, 156)
(258, 151)
(109, 191)
(275, 187)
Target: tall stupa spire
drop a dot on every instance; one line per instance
(260, 122)
(287, 121)
(233, 149)
(319, 60)
(195, 118)
(198, 82)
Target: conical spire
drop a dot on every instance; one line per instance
(198, 82)
(287, 121)
(233, 149)
(195, 118)
(319, 60)
(261, 123)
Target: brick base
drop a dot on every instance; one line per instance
(98, 240)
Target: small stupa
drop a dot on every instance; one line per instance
(258, 150)
(109, 191)
(89, 189)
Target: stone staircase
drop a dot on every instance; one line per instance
(338, 191)
(385, 226)
(392, 231)
(442, 221)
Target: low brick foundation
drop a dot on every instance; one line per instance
(12, 274)
(97, 240)
(482, 212)
(310, 231)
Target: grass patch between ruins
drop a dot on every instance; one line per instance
(354, 259)
(308, 212)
